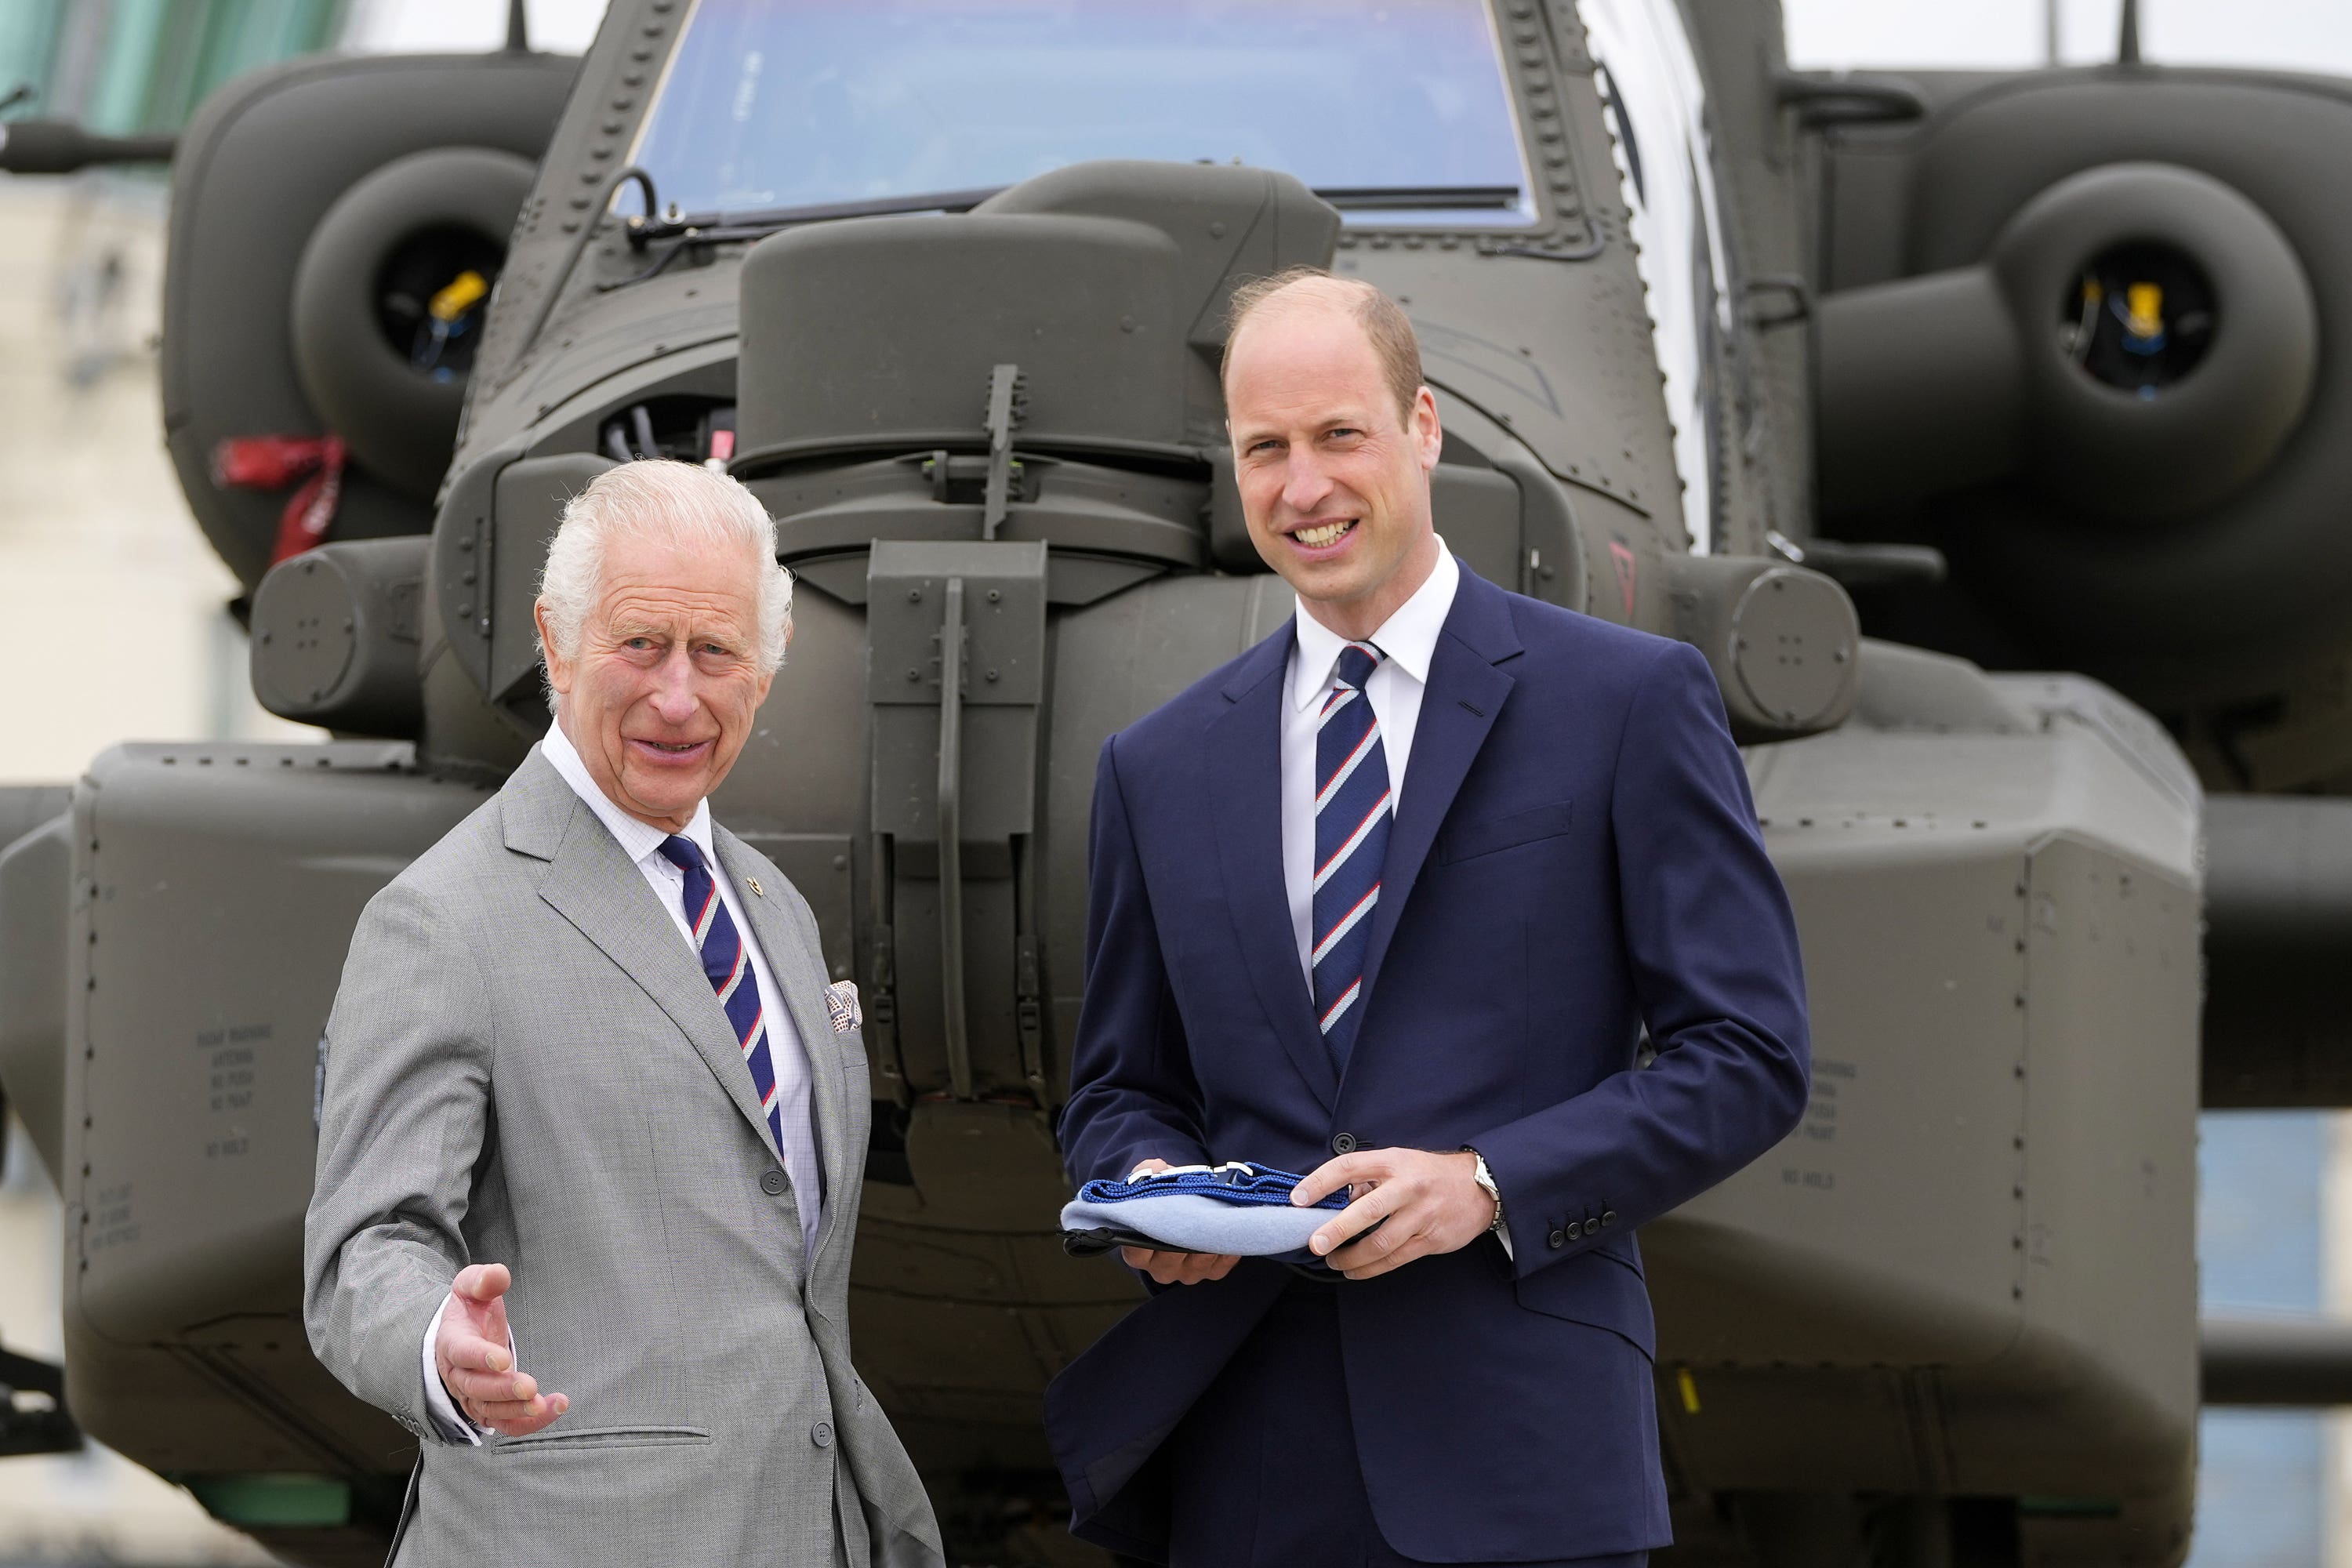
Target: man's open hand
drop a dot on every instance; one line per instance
(1424, 1203)
(474, 1353)
(1174, 1268)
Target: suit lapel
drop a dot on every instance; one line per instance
(1244, 773)
(798, 972)
(1465, 693)
(593, 884)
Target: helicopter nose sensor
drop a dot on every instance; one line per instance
(389, 297)
(2138, 318)
(338, 226)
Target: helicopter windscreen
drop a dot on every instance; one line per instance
(772, 104)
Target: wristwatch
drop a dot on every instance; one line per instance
(1486, 1180)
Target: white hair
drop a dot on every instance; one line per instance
(654, 497)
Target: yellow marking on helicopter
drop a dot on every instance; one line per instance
(458, 296)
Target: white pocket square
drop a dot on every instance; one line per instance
(841, 1003)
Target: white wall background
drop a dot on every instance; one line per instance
(115, 612)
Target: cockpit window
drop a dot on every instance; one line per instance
(1655, 99)
(771, 104)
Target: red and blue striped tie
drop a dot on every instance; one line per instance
(728, 962)
(1352, 840)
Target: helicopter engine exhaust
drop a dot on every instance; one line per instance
(2001, 370)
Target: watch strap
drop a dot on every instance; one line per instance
(1486, 1180)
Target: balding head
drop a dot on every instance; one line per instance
(1310, 288)
(1333, 439)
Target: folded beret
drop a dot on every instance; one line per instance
(1241, 1209)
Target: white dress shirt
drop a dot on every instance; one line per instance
(1407, 641)
(641, 842)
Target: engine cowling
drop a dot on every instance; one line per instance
(336, 223)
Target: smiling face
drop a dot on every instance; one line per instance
(1334, 476)
(658, 695)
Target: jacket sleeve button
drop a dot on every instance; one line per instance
(1556, 1239)
(1593, 1228)
(1608, 1217)
(773, 1182)
(1343, 1142)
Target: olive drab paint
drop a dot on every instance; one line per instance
(1857, 381)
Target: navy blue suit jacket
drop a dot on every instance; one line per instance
(1575, 858)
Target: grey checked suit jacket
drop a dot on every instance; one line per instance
(526, 1066)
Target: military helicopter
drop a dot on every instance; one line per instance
(2019, 374)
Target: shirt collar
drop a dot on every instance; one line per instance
(638, 839)
(1407, 638)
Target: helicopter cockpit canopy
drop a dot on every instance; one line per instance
(1400, 115)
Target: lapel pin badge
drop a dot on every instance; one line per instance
(757, 890)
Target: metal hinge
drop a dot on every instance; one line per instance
(881, 1005)
(1029, 1011)
(1008, 405)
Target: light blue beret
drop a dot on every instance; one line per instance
(1241, 1209)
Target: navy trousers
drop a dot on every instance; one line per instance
(1262, 1471)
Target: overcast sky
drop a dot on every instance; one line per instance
(2301, 34)
(2298, 35)
(563, 25)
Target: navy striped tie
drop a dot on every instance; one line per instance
(1352, 840)
(728, 962)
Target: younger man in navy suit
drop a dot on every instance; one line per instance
(1390, 900)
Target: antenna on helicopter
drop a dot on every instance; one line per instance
(518, 28)
(2127, 46)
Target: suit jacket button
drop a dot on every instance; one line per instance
(1608, 1217)
(1593, 1228)
(821, 1435)
(1343, 1142)
(773, 1182)
(1556, 1239)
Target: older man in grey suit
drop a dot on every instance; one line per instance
(594, 1122)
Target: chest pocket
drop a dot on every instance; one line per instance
(1470, 839)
